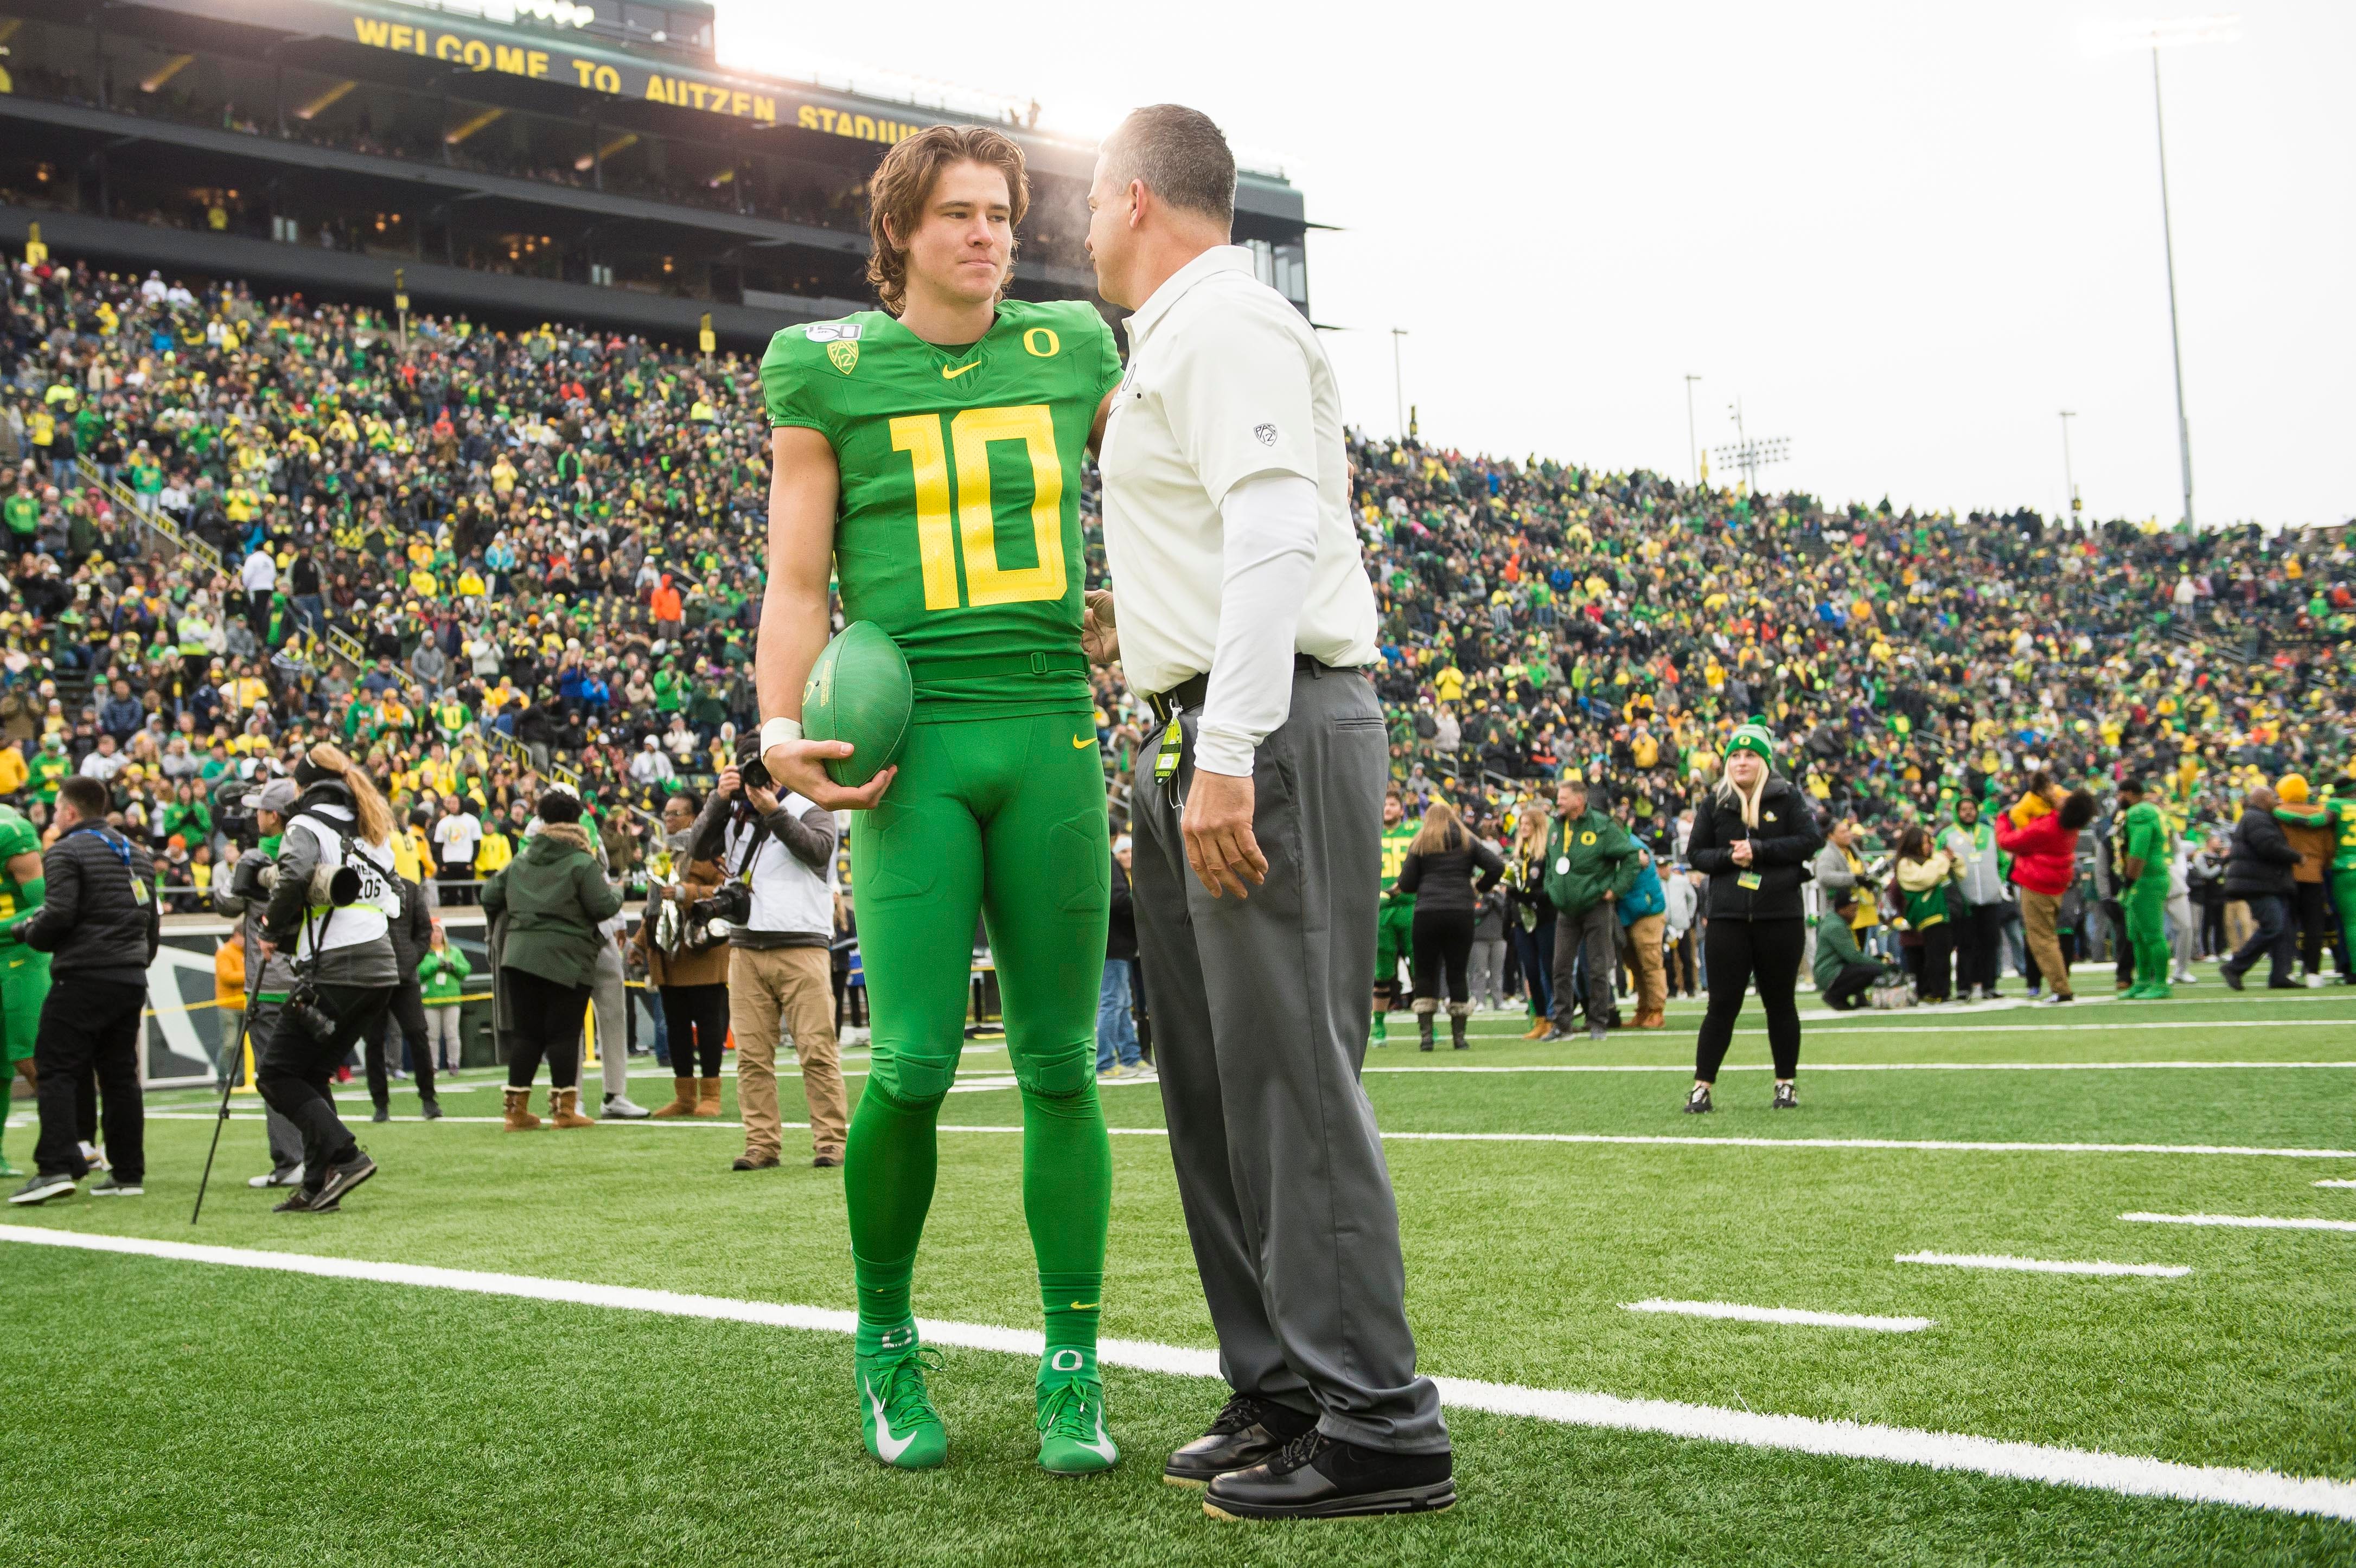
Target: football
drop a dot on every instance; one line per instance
(859, 691)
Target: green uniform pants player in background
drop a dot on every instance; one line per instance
(23, 974)
(1393, 917)
(2142, 840)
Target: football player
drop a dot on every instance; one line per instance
(932, 453)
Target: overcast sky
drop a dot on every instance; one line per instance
(1904, 236)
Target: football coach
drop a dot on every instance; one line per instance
(1246, 618)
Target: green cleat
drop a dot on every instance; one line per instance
(1072, 1437)
(896, 1418)
(1381, 1033)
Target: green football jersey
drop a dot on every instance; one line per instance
(959, 528)
(18, 837)
(2343, 836)
(1395, 844)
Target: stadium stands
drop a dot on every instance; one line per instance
(499, 556)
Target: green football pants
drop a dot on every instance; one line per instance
(2145, 906)
(2343, 899)
(1000, 820)
(1394, 940)
(23, 985)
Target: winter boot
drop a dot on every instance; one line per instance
(707, 1097)
(565, 1107)
(520, 1118)
(1459, 1016)
(682, 1101)
(1425, 1009)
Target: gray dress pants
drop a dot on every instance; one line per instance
(609, 994)
(1594, 931)
(1260, 1011)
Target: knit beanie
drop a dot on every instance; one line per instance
(1753, 737)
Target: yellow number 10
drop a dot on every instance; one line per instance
(970, 433)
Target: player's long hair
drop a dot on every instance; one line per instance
(904, 183)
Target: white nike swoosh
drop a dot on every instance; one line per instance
(886, 1444)
(1102, 1447)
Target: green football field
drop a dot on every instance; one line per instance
(532, 1395)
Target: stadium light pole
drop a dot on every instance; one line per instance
(2156, 36)
(1693, 441)
(2069, 482)
(1398, 383)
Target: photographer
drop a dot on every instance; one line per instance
(780, 854)
(413, 932)
(339, 837)
(241, 894)
(687, 964)
(101, 926)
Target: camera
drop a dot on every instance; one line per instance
(253, 877)
(233, 810)
(749, 766)
(730, 906)
(304, 1006)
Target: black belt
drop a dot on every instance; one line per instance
(1189, 693)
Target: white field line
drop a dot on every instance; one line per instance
(2124, 1475)
(1930, 1146)
(2042, 1266)
(2241, 1221)
(1792, 1315)
(2335, 1184)
(1813, 1067)
(1926, 1145)
(2139, 1025)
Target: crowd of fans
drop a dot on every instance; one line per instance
(473, 558)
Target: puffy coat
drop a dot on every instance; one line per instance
(2262, 858)
(554, 897)
(2044, 854)
(1785, 840)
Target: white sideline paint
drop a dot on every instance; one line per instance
(2241, 1221)
(2092, 1469)
(2041, 1266)
(1929, 1145)
(1741, 1313)
(2139, 1025)
(1814, 1067)
(2335, 1184)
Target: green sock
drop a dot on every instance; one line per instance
(1067, 1200)
(889, 1165)
(7, 1094)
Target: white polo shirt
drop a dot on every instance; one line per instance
(1227, 383)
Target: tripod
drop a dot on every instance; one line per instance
(229, 1084)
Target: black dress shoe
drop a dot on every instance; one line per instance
(1248, 1430)
(432, 1110)
(1315, 1477)
(382, 1114)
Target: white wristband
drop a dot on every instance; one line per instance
(778, 731)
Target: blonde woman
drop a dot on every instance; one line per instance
(1442, 863)
(345, 970)
(1529, 913)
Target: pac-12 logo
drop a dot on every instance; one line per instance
(1267, 433)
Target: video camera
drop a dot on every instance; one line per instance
(233, 810)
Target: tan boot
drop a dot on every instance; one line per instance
(682, 1099)
(566, 1105)
(707, 1101)
(1538, 1028)
(520, 1118)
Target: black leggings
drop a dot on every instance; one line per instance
(1740, 952)
(696, 1017)
(1442, 939)
(548, 1017)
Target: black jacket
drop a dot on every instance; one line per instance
(2263, 857)
(1786, 839)
(413, 933)
(99, 919)
(1121, 935)
(1443, 881)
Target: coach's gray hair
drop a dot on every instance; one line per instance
(1180, 155)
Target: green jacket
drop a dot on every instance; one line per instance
(1837, 949)
(1585, 858)
(553, 896)
(442, 977)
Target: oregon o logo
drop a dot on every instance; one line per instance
(1587, 838)
(1065, 1361)
(1030, 342)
